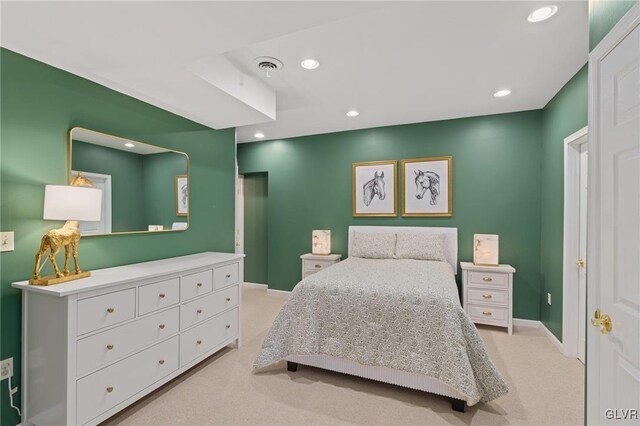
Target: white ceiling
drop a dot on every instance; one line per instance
(396, 62)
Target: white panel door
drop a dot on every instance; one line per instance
(582, 250)
(613, 361)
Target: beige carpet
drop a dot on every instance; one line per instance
(546, 387)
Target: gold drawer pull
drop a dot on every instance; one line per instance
(487, 296)
(110, 310)
(318, 266)
(161, 362)
(110, 389)
(109, 346)
(161, 295)
(228, 275)
(487, 279)
(228, 299)
(161, 326)
(199, 284)
(199, 342)
(199, 311)
(228, 326)
(487, 313)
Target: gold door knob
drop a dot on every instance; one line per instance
(199, 311)
(487, 313)
(487, 296)
(580, 263)
(110, 389)
(602, 321)
(161, 295)
(487, 279)
(161, 362)
(110, 310)
(161, 326)
(109, 346)
(228, 299)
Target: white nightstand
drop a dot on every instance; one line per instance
(487, 294)
(312, 263)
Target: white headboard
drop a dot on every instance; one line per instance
(450, 242)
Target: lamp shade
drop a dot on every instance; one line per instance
(63, 202)
(321, 242)
(485, 249)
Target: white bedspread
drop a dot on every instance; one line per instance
(397, 313)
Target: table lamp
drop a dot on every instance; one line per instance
(485, 250)
(74, 203)
(321, 242)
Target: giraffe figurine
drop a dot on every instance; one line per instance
(68, 237)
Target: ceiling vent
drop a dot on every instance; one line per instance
(268, 65)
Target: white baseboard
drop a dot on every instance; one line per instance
(517, 322)
(553, 338)
(272, 291)
(254, 285)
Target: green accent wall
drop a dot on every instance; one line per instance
(496, 190)
(256, 196)
(563, 115)
(160, 171)
(39, 104)
(603, 16)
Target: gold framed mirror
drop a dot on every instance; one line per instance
(145, 188)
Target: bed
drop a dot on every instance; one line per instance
(392, 320)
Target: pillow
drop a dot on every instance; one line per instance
(373, 246)
(420, 246)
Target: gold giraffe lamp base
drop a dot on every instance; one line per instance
(53, 279)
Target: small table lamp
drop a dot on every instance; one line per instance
(485, 250)
(73, 204)
(321, 242)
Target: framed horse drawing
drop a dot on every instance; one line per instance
(374, 189)
(427, 187)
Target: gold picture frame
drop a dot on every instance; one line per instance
(427, 207)
(367, 200)
(182, 195)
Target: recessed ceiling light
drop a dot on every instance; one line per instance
(352, 113)
(259, 135)
(502, 93)
(129, 145)
(310, 64)
(543, 13)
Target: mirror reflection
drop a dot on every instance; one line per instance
(145, 187)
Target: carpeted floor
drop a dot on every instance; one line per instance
(546, 387)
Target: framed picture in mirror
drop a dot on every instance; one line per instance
(182, 195)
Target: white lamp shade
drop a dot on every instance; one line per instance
(485, 249)
(64, 202)
(321, 242)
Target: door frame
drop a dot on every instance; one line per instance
(622, 29)
(571, 237)
(239, 234)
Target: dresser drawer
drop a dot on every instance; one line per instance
(199, 310)
(196, 284)
(103, 348)
(485, 296)
(152, 297)
(226, 275)
(488, 314)
(204, 337)
(102, 311)
(110, 386)
(316, 265)
(489, 279)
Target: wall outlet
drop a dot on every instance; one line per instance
(6, 368)
(6, 241)
(548, 298)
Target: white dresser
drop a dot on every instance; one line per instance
(487, 293)
(312, 263)
(92, 347)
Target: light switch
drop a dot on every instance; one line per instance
(6, 241)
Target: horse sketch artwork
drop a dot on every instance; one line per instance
(182, 195)
(427, 186)
(374, 192)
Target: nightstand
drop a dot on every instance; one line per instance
(487, 293)
(312, 263)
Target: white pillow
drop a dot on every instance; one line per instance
(373, 246)
(420, 246)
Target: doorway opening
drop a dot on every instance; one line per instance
(254, 230)
(575, 244)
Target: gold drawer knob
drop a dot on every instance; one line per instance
(228, 275)
(487, 313)
(110, 389)
(161, 362)
(161, 326)
(487, 279)
(487, 296)
(110, 310)
(228, 299)
(199, 311)
(162, 295)
(110, 346)
(199, 284)
(199, 342)
(228, 326)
